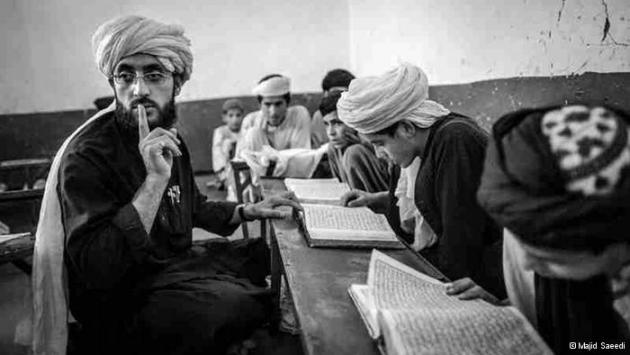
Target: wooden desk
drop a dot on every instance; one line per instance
(318, 281)
(23, 172)
(16, 250)
(21, 195)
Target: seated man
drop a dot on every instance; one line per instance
(351, 160)
(336, 80)
(452, 231)
(558, 179)
(129, 202)
(276, 124)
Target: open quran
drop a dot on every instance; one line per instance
(407, 312)
(338, 226)
(321, 191)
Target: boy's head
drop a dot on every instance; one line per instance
(559, 179)
(336, 80)
(338, 133)
(274, 95)
(232, 114)
(392, 111)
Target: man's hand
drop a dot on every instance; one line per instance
(356, 198)
(157, 147)
(467, 289)
(267, 207)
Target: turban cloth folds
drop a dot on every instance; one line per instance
(375, 103)
(129, 35)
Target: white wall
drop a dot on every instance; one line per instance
(46, 62)
(457, 41)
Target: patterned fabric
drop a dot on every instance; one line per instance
(559, 177)
(590, 145)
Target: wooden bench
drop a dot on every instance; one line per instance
(16, 250)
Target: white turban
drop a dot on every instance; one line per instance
(375, 103)
(275, 86)
(129, 35)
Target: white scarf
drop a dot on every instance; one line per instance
(50, 305)
(410, 218)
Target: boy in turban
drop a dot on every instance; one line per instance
(276, 124)
(128, 205)
(443, 153)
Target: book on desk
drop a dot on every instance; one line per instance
(325, 223)
(407, 312)
(317, 191)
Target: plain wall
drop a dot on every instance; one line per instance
(46, 61)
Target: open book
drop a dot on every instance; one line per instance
(410, 313)
(338, 226)
(324, 191)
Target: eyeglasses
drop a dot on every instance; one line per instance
(126, 78)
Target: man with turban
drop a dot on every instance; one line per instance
(443, 153)
(558, 179)
(351, 159)
(276, 124)
(335, 81)
(129, 202)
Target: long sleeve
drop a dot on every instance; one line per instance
(213, 216)
(318, 130)
(219, 160)
(364, 170)
(104, 236)
(459, 160)
(301, 135)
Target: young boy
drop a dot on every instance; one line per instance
(224, 139)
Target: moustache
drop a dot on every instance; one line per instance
(144, 102)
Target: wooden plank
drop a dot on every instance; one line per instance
(318, 282)
(21, 195)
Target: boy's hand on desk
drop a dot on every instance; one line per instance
(267, 207)
(356, 198)
(467, 289)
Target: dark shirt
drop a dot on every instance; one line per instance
(469, 241)
(109, 256)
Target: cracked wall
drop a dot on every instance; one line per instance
(464, 41)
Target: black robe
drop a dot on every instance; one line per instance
(152, 293)
(469, 242)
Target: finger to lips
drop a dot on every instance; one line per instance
(143, 123)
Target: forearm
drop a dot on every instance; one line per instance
(147, 200)
(378, 201)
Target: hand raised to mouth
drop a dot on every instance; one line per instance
(157, 147)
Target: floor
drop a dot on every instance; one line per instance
(15, 285)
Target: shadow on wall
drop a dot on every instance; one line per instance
(41, 134)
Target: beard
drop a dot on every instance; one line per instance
(166, 116)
